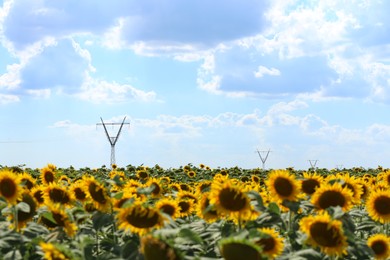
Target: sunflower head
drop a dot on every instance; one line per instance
(206, 211)
(10, 188)
(97, 193)
(156, 248)
(168, 206)
(235, 249)
(139, 219)
(55, 193)
(326, 233)
(310, 182)
(52, 251)
(378, 205)
(282, 185)
(270, 242)
(380, 246)
(48, 174)
(332, 195)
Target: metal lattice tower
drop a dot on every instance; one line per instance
(313, 164)
(263, 159)
(113, 139)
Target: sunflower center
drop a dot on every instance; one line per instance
(324, 236)
(49, 177)
(168, 209)
(331, 198)
(309, 186)
(232, 199)
(80, 194)
(8, 187)
(145, 219)
(59, 219)
(184, 206)
(379, 247)
(58, 195)
(156, 189)
(283, 187)
(267, 244)
(29, 184)
(38, 195)
(382, 205)
(96, 193)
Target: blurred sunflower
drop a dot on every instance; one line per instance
(191, 174)
(61, 218)
(238, 249)
(157, 190)
(203, 186)
(230, 199)
(332, 195)
(37, 193)
(142, 174)
(282, 185)
(183, 195)
(351, 182)
(206, 211)
(386, 177)
(185, 207)
(378, 205)
(77, 189)
(255, 179)
(55, 193)
(139, 219)
(326, 233)
(27, 180)
(24, 217)
(270, 242)
(51, 252)
(48, 174)
(380, 245)
(310, 182)
(185, 187)
(168, 206)
(97, 193)
(64, 180)
(153, 248)
(10, 188)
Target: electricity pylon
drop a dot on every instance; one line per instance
(113, 139)
(313, 164)
(263, 159)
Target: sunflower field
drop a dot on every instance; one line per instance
(194, 212)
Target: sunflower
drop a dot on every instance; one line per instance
(78, 191)
(139, 219)
(61, 219)
(168, 206)
(187, 195)
(52, 252)
(191, 174)
(142, 174)
(230, 199)
(386, 177)
(270, 242)
(27, 180)
(255, 179)
(206, 211)
(48, 174)
(310, 182)
(380, 245)
(238, 249)
(378, 205)
(153, 248)
(203, 186)
(282, 185)
(332, 195)
(351, 182)
(64, 179)
(24, 217)
(55, 193)
(157, 190)
(326, 233)
(185, 207)
(37, 193)
(10, 188)
(97, 193)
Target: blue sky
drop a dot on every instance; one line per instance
(199, 82)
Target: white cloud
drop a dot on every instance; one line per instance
(101, 91)
(6, 99)
(261, 71)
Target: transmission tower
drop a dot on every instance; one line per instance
(113, 139)
(263, 159)
(313, 164)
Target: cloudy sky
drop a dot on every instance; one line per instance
(199, 81)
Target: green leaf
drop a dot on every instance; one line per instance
(99, 220)
(23, 206)
(274, 208)
(258, 199)
(190, 235)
